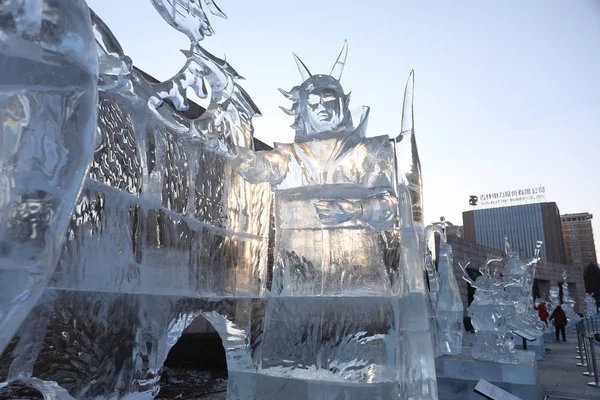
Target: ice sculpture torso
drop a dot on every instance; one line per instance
(344, 257)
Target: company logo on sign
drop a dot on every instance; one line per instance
(509, 197)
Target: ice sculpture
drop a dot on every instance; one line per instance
(332, 296)
(554, 298)
(162, 232)
(502, 305)
(568, 304)
(591, 310)
(173, 222)
(416, 364)
(48, 116)
(449, 306)
(519, 274)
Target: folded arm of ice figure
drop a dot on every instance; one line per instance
(379, 211)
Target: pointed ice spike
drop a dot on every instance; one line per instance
(288, 112)
(338, 67)
(407, 125)
(304, 72)
(408, 164)
(287, 95)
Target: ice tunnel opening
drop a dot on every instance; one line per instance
(18, 390)
(196, 366)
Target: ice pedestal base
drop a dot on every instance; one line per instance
(549, 334)
(458, 375)
(260, 386)
(538, 346)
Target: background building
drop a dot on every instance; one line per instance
(523, 224)
(579, 239)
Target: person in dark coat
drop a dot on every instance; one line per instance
(560, 321)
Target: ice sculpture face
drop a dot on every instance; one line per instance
(323, 106)
(48, 122)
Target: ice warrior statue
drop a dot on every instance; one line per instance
(332, 314)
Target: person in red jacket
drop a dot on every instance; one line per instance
(560, 321)
(542, 312)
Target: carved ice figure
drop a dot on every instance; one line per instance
(554, 298)
(568, 304)
(163, 231)
(335, 191)
(416, 366)
(520, 273)
(502, 305)
(449, 306)
(48, 120)
(489, 314)
(591, 310)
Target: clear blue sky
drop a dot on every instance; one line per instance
(507, 93)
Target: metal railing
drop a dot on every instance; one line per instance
(588, 338)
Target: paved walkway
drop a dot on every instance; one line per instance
(560, 378)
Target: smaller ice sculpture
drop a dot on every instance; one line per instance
(488, 312)
(568, 304)
(519, 274)
(501, 306)
(554, 298)
(449, 306)
(590, 306)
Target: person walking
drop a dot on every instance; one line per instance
(560, 321)
(542, 312)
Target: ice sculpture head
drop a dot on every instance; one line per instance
(320, 105)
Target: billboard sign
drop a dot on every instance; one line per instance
(509, 198)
